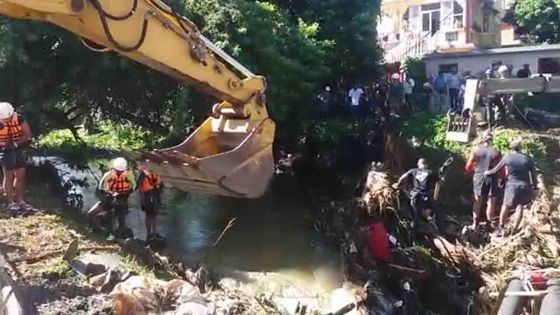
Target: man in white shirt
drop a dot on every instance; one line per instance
(408, 86)
(355, 95)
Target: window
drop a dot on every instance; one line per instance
(448, 68)
(457, 15)
(549, 65)
(486, 22)
(431, 6)
(452, 36)
(425, 22)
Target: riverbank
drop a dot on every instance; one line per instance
(34, 247)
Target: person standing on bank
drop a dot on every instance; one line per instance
(454, 83)
(355, 96)
(485, 188)
(14, 132)
(521, 179)
(149, 187)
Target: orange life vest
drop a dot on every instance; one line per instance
(11, 131)
(151, 181)
(119, 183)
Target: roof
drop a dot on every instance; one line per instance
(493, 51)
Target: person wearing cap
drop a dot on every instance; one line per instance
(149, 188)
(521, 179)
(422, 181)
(14, 132)
(116, 183)
(485, 188)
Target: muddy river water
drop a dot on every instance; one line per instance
(272, 234)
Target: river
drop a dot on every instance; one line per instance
(272, 234)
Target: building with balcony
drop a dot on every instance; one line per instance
(468, 34)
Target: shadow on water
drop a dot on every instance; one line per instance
(269, 234)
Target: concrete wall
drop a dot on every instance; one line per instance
(478, 63)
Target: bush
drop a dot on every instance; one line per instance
(431, 130)
(109, 136)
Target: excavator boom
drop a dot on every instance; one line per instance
(231, 152)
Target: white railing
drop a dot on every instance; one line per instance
(417, 45)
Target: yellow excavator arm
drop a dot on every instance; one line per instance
(231, 152)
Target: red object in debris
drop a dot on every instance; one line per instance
(538, 280)
(378, 242)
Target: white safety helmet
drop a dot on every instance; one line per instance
(6, 110)
(395, 76)
(120, 164)
(327, 88)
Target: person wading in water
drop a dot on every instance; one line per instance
(149, 187)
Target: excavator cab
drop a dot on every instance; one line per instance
(226, 155)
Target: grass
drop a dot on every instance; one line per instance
(49, 232)
(431, 130)
(131, 263)
(56, 269)
(108, 137)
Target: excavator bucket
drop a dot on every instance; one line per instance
(462, 128)
(229, 157)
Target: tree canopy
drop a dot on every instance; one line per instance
(298, 45)
(537, 20)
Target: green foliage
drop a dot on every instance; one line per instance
(538, 20)
(330, 133)
(298, 45)
(109, 136)
(266, 40)
(531, 145)
(416, 69)
(350, 26)
(56, 269)
(431, 130)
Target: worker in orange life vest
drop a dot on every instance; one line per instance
(149, 187)
(116, 183)
(14, 131)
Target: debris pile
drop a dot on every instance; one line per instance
(535, 246)
(379, 196)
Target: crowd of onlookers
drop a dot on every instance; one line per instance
(399, 93)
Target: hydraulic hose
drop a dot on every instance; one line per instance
(110, 37)
(125, 16)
